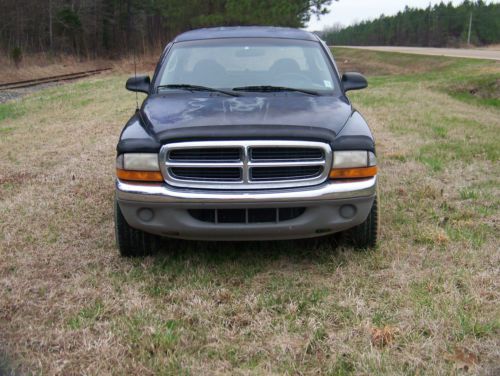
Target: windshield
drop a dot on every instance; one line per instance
(239, 63)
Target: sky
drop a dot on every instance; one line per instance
(348, 12)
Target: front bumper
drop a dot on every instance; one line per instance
(170, 210)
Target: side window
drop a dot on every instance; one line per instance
(172, 63)
(330, 55)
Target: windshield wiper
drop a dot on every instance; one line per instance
(271, 89)
(198, 88)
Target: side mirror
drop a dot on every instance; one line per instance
(354, 81)
(139, 83)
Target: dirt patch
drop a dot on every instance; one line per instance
(483, 90)
(487, 89)
(16, 178)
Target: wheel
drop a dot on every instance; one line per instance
(130, 241)
(366, 234)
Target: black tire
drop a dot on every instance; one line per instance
(365, 235)
(130, 241)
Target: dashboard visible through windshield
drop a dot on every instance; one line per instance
(256, 64)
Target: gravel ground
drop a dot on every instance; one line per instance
(12, 94)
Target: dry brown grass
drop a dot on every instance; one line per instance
(495, 47)
(388, 63)
(426, 302)
(144, 64)
(44, 65)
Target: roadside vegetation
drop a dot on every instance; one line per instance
(426, 302)
(89, 29)
(483, 90)
(440, 25)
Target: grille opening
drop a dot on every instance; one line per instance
(204, 215)
(285, 154)
(262, 215)
(206, 173)
(231, 216)
(258, 215)
(205, 154)
(290, 213)
(285, 173)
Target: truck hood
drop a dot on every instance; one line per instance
(171, 117)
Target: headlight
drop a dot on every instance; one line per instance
(138, 167)
(353, 164)
(141, 161)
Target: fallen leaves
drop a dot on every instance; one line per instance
(463, 358)
(442, 238)
(382, 337)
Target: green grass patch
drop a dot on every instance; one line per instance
(482, 90)
(5, 130)
(470, 324)
(422, 294)
(281, 293)
(469, 194)
(437, 154)
(154, 340)
(343, 366)
(472, 233)
(439, 131)
(87, 316)
(10, 111)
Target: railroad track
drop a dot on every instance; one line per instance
(46, 80)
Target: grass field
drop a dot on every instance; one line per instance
(426, 302)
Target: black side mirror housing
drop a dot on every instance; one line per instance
(139, 84)
(354, 81)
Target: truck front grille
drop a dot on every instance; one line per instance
(206, 173)
(245, 164)
(285, 173)
(204, 155)
(286, 154)
(261, 215)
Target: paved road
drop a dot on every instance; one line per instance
(492, 54)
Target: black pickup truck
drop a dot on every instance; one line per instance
(246, 134)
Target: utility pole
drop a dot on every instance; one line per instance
(470, 28)
(51, 42)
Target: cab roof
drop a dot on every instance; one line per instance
(246, 32)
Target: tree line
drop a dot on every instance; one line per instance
(111, 28)
(440, 25)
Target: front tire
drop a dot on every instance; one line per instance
(130, 241)
(365, 235)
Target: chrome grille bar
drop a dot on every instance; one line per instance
(286, 162)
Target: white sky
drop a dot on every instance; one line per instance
(348, 12)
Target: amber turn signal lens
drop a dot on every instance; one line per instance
(353, 173)
(152, 176)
